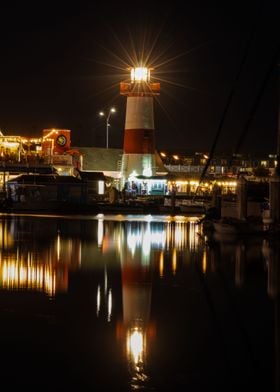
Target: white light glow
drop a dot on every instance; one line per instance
(132, 176)
(135, 345)
(98, 301)
(100, 232)
(140, 74)
(147, 172)
(101, 187)
(109, 305)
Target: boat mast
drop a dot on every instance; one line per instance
(274, 184)
(278, 122)
(228, 103)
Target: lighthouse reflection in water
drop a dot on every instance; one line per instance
(141, 247)
(137, 302)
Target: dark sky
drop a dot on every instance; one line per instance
(61, 64)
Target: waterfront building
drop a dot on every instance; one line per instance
(53, 153)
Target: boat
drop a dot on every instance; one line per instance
(193, 207)
(237, 226)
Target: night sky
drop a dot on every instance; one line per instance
(61, 64)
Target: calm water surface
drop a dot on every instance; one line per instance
(124, 303)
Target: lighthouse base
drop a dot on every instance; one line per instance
(134, 165)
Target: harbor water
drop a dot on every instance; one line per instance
(136, 302)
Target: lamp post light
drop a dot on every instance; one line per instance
(107, 116)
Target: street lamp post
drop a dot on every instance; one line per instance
(107, 116)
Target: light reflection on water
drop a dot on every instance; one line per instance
(170, 302)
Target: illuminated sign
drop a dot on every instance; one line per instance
(61, 140)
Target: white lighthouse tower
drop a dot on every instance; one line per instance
(139, 155)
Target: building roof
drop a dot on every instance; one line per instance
(26, 168)
(101, 159)
(160, 168)
(109, 159)
(44, 179)
(91, 176)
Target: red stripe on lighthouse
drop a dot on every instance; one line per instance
(139, 141)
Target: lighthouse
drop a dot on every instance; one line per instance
(139, 154)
